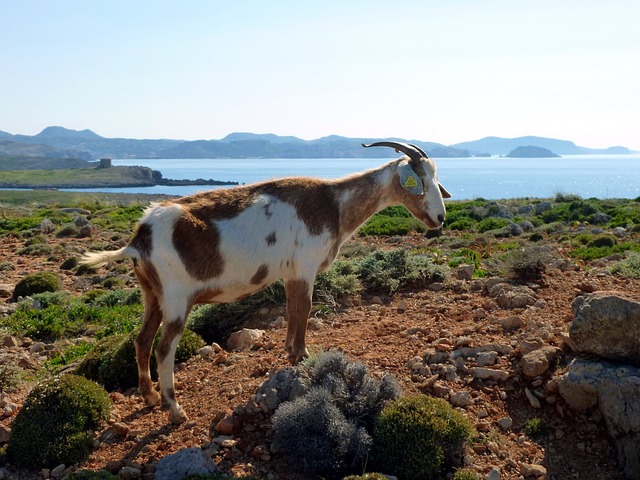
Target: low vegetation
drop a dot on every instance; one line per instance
(365, 425)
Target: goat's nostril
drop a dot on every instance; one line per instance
(441, 218)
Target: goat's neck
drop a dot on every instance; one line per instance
(363, 195)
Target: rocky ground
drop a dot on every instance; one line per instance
(463, 340)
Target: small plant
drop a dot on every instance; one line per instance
(69, 264)
(603, 240)
(629, 267)
(56, 422)
(38, 282)
(466, 475)
(528, 264)
(10, 377)
(419, 437)
(535, 428)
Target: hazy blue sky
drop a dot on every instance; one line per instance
(444, 71)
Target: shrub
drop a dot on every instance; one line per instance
(601, 241)
(38, 282)
(216, 322)
(384, 270)
(112, 362)
(341, 280)
(528, 264)
(422, 271)
(419, 437)
(10, 377)
(629, 267)
(466, 475)
(69, 264)
(56, 422)
(492, 223)
(328, 430)
(316, 436)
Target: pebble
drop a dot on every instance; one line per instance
(505, 423)
(58, 471)
(533, 400)
(494, 474)
(461, 399)
(532, 470)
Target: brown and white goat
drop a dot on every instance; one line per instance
(223, 245)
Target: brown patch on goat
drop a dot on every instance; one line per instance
(197, 242)
(360, 206)
(206, 296)
(144, 342)
(271, 239)
(141, 241)
(260, 275)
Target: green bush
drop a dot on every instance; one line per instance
(69, 264)
(56, 422)
(216, 322)
(629, 267)
(419, 438)
(601, 241)
(492, 223)
(339, 281)
(112, 362)
(38, 282)
(466, 475)
(384, 270)
(394, 220)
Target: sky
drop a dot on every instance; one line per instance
(445, 71)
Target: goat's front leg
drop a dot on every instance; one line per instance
(298, 307)
(165, 354)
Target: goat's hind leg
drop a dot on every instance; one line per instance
(144, 344)
(165, 354)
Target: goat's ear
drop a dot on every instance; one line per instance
(444, 192)
(410, 180)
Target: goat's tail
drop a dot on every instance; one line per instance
(97, 259)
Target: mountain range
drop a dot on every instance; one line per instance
(60, 142)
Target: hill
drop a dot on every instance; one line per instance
(531, 152)
(60, 142)
(502, 146)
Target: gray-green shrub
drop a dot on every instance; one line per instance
(38, 282)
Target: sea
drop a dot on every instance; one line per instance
(492, 178)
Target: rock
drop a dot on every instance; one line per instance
(607, 325)
(190, 461)
(130, 472)
(10, 341)
(538, 361)
(533, 400)
(615, 389)
(461, 399)
(513, 322)
(532, 470)
(494, 474)
(486, 359)
(205, 351)
(58, 471)
(508, 296)
(489, 374)
(526, 226)
(505, 423)
(228, 425)
(244, 339)
(464, 272)
(5, 434)
(542, 207)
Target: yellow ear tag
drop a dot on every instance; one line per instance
(410, 182)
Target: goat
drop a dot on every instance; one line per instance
(223, 245)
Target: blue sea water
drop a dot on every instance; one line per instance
(600, 176)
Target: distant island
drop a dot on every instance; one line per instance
(92, 176)
(63, 143)
(530, 151)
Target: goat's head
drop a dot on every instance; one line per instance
(418, 182)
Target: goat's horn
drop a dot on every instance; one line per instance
(411, 150)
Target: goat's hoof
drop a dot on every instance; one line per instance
(152, 398)
(296, 358)
(178, 416)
